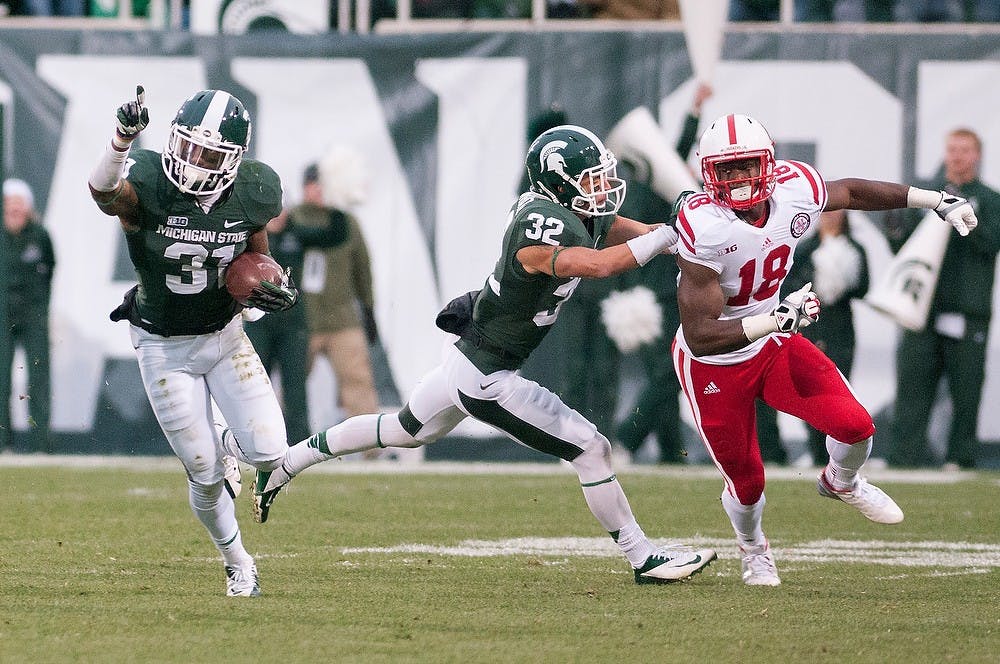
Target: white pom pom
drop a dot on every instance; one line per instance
(344, 177)
(632, 317)
(836, 268)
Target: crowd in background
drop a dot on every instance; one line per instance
(806, 11)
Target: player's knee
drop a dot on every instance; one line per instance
(854, 426)
(595, 459)
(204, 495)
(749, 489)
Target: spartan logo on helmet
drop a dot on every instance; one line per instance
(207, 141)
(552, 159)
(571, 166)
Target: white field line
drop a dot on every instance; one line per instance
(907, 554)
(380, 467)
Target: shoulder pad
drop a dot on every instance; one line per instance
(259, 190)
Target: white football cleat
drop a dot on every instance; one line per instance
(867, 498)
(242, 580)
(666, 566)
(758, 566)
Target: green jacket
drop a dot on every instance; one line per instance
(967, 272)
(31, 260)
(335, 280)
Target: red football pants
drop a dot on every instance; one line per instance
(791, 375)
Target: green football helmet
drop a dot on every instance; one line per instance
(571, 166)
(207, 140)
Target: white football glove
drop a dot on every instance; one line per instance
(798, 310)
(958, 212)
(132, 116)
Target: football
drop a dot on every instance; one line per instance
(247, 271)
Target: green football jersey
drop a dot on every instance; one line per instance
(180, 251)
(515, 309)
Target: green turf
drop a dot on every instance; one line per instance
(111, 566)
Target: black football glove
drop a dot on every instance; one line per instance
(132, 116)
(271, 297)
(368, 320)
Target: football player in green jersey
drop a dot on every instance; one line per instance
(186, 214)
(565, 228)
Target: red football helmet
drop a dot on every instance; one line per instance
(737, 138)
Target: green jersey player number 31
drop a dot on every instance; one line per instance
(187, 212)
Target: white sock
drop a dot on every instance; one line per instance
(233, 553)
(634, 543)
(845, 462)
(217, 512)
(355, 434)
(607, 501)
(746, 520)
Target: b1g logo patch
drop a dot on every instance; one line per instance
(177, 221)
(800, 224)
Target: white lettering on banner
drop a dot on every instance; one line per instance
(482, 133)
(952, 95)
(85, 239)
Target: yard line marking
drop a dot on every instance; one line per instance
(404, 467)
(877, 552)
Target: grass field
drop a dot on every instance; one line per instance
(109, 565)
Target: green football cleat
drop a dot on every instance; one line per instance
(666, 566)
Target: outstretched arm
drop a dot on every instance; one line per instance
(858, 194)
(599, 263)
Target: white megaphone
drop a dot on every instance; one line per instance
(906, 288)
(638, 139)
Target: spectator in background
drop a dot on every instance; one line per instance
(30, 262)
(656, 409)
(837, 266)
(339, 298)
(754, 10)
(821, 11)
(632, 9)
(564, 9)
(281, 339)
(54, 7)
(441, 8)
(501, 9)
(984, 11)
(929, 11)
(953, 345)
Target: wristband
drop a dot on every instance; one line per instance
(645, 247)
(923, 198)
(755, 327)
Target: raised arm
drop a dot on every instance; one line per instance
(113, 194)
